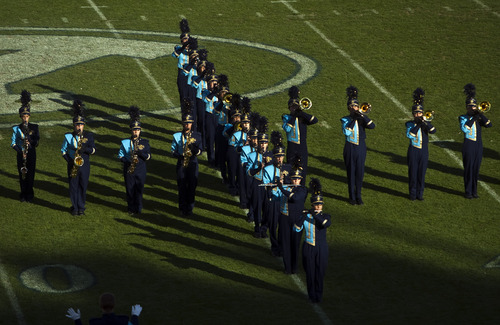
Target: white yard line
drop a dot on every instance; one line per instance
(144, 69)
(4, 278)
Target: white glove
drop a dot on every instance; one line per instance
(74, 315)
(136, 310)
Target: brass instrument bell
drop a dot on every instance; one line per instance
(305, 103)
(484, 106)
(428, 116)
(227, 98)
(365, 108)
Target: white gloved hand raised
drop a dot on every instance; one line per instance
(74, 315)
(136, 310)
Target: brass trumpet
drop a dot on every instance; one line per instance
(484, 106)
(305, 103)
(365, 108)
(428, 116)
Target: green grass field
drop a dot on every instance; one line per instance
(392, 261)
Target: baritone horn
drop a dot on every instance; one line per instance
(305, 103)
(365, 108)
(484, 106)
(428, 116)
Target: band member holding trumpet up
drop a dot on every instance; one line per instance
(76, 150)
(472, 148)
(418, 131)
(25, 137)
(353, 127)
(315, 248)
(134, 152)
(186, 147)
(295, 126)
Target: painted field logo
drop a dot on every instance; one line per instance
(52, 278)
(29, 56)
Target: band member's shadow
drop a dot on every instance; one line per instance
(164, 219)
(341, 177)
(210, 247)
(187, 263)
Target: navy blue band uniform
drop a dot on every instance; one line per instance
(133, 153)
(24, 140)
(291, 207)
(186, 147)
(315, 247)
(76, 150)
(417, 131)
(295, 126)
(79, 182)
(353, 127)
(471, 125)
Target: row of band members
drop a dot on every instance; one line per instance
(250, 165)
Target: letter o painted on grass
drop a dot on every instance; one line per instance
(34, 278)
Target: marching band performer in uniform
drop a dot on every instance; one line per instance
(199, 84)
(76, 150)
(315, 247)
(221, 110)
(272, 174)
(25, 138)
(353, 127)
(181, 54)
(133, 153)
(210, 99)
(243, 140)
(246, 153)
(291, 207)
(295, 125)
(472, 148)
(186, 147)
(418, 131)
(233, 136)
(260, 159)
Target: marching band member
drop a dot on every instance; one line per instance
(210, 99)
(272, 174)
(76, 150)
(181, 54)
(418, 131)
(472, 148)
(295, 125)
(315, 247)
(242, 140)
(221, 110)
(233, 135)
(186, 147)
(353, 127)
(25, 138)
(291, 207)
(134, 152)
(260, 158)
(199, 84)
(245, 156)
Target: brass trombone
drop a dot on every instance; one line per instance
(305, 103)
(484, 106)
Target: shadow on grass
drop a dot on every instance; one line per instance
(220, 250)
